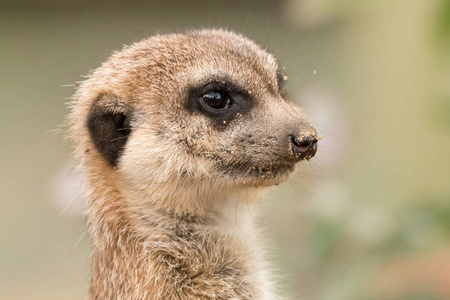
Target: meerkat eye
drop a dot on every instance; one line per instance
(216, 100)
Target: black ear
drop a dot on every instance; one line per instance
(109, 126)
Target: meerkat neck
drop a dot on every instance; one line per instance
(145, 254)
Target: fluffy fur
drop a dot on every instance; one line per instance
(168, 211)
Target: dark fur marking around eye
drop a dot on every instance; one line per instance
(109, 129)
(241, 102)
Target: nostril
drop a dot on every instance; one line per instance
(303, 147)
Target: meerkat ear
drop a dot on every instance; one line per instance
(109, 126)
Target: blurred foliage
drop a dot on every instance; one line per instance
(443, 20)
(339, 256)
(443, 33)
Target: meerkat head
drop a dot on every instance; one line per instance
(186, 115)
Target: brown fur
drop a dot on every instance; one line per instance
(171, 219)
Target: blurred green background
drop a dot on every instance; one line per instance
(368, 218)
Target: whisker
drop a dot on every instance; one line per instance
(118, 138)
(291, 32)
(246, 20)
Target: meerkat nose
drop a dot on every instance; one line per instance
(303, 147)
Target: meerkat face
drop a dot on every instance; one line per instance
(206, 105)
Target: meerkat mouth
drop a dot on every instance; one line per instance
(249, 171)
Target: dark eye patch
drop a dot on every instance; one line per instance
(240, 101)
(109, 129)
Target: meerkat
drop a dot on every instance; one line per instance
(178, 134)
